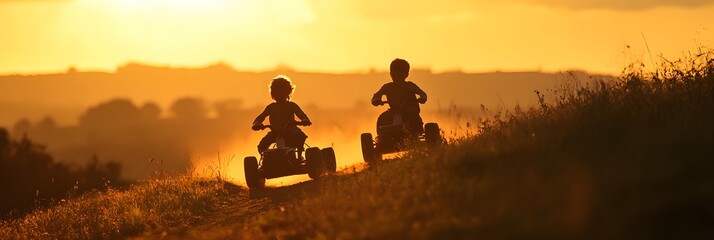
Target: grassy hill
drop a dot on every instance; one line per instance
(631, 159)
(158, 205)
(628, 160)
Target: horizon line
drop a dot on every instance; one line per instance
(280, 67)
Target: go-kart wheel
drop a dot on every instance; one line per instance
(329, 160)
(368, 152)
(252, 178)
(432, 134)
(315, 167)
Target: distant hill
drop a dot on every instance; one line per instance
(64, 96)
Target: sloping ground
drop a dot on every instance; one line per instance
(628, 160)
(167, 204)
(183, 206)
(240, 208)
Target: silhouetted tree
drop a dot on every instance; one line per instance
(22, 127)
(47, 124)
(112, 113)
(150, 111)
(29, 176)
(4, 139)
(96, 175)
(189, 109)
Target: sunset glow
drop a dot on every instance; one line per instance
(356, 119)
(52, 36)
(337, 36)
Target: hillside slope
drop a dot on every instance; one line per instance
(626, 160)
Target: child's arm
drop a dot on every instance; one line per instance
(418, 91)
(301, 115)
(377, 97)
(261, 117)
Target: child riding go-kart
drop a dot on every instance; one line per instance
(400, 127)
(394, 135)
(285, 158)
(282, 160)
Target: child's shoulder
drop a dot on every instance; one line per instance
(274, 105)
(285, 103)
(410, 83)
(294, 104)
(388, 84)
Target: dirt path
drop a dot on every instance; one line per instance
(249, 203)
(243, 206)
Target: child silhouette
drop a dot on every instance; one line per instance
(281, 115)
(401, 96)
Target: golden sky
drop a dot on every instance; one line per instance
(349, 35)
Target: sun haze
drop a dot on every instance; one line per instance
(142, 58)
(349, 35)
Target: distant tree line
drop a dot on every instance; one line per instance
(137, 136)
(31, 178)
(143, 136)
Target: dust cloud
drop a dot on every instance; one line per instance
(202, 138)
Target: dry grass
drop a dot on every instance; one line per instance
(168, 204)
(623, 160)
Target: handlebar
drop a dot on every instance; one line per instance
(263, 127)
(380, 102)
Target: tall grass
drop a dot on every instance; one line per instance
(166, 204)
(631, 159)
(627, 159)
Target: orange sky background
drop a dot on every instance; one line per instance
(49, 36)
(38, 36)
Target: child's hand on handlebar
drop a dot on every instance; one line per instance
(257, 127)
(304, 123)
(378, 102)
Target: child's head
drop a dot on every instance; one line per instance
(281, 88)
(399, 69)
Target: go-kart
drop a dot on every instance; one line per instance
(395, 135)
(281, 160)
